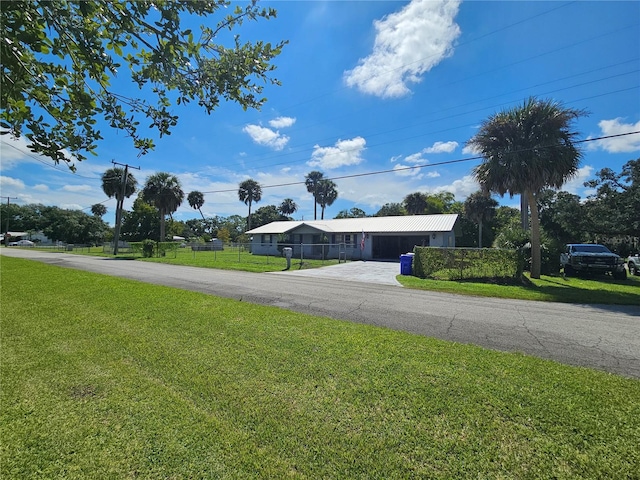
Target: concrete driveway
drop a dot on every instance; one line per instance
(383, 273)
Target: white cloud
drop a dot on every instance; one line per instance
(78, 188)
(461, 188)
(372, 192)
(407, 171)
(10, 183)
(282, 122)
(12, 150)
(441, 147)
(71, 206)
(470, 150)
(415, 158)
(408, 43)
(265, 136)
(41, 187)
(628, 143)
(345, 152)
(418, 158)
(417, 173)
(576, 184)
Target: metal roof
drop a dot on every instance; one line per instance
(401, 224)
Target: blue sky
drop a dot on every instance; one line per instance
(371, 86)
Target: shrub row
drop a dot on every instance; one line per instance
(465, 263)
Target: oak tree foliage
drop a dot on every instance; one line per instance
(60, 60)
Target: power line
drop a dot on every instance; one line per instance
(39, 159)
(435, 120)
(414, 167)
(470, 41)
(304, 148)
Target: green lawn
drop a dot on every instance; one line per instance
(109, 378)
(598, 289)
(231, 258)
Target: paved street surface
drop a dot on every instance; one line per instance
(599, 336)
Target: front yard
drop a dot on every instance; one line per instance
(109, 378)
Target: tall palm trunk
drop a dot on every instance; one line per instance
(162, 229)
(480, 234)
(535, 236)
(315, 203)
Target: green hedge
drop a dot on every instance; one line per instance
(464, 263)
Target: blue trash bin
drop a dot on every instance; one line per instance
(405, 264)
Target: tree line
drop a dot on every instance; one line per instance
(609, 215)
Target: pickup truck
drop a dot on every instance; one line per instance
(591, 258)
(633, 263)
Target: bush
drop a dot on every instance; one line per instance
(148, 247)
(466, 263)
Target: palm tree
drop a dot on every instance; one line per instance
(526, 149)
(288, 207)
(163, 191)
(196, 201)
(249, 191)
(311, 181)
(112, 183)
(98, 209)
(118, 183)
(326, 194)
(480, 207)
(415, 203)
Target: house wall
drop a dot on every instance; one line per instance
(312, 245)
(376, 246)
(445, 239)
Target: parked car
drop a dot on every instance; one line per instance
(633, 263)
(591, 258)
(22, 243)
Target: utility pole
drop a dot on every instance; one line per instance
(120, 204)
(6, 231)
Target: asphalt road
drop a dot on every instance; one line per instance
(605, 337)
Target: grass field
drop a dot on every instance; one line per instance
(109, 378)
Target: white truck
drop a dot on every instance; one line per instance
(591, 258)
(633, 263)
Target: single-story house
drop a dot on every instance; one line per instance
(367, 238)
